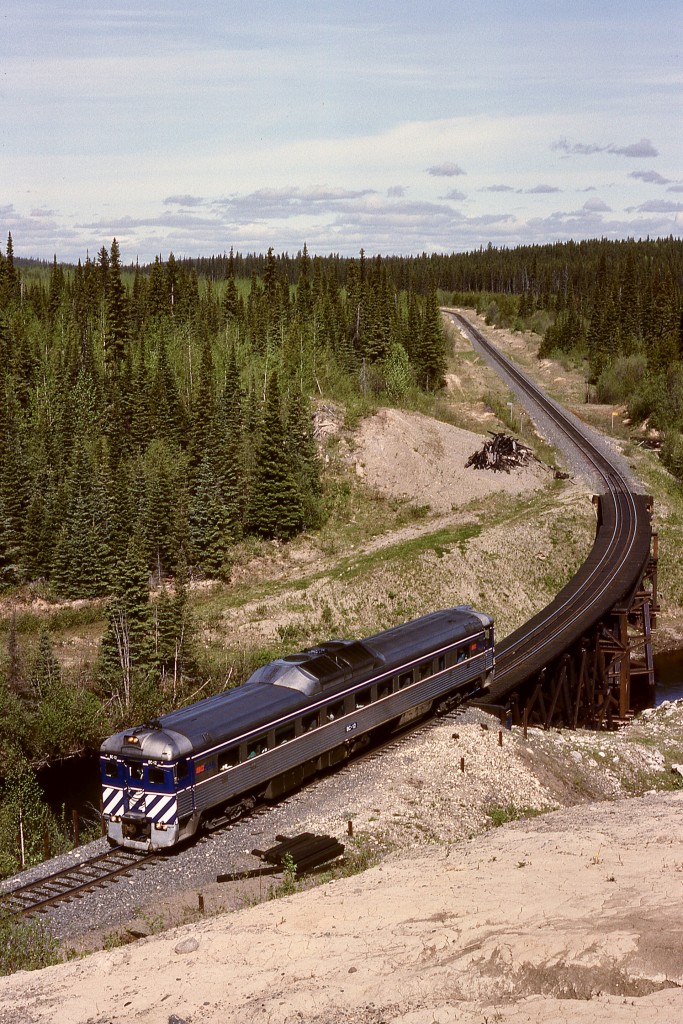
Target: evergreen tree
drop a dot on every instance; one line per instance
(304, 460)
(430, 358)
(275, 507)
(209, 524)
(126, 653)
(117, 312)
(174, 631)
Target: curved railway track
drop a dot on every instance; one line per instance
(611, 572)
(74, 882)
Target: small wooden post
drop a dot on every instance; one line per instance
(349, 828)
(500, 737)
(46, 844)
(200, 901)
(462, 764)
(74, 820)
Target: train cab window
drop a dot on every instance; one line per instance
(111, 769)
(257, 746)
(182, 770)
(135, 772)
(425, 670)
(335, 710)
(155, 776)
(228, 758)
(285, 734)
(363, 698)
(442, 662)
(405, 680)
(309, 722)
(384, 689)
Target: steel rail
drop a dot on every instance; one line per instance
(73, 882)
(614, 566)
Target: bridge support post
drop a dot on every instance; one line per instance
(597, 682)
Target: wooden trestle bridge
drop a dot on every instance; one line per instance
(579, 662)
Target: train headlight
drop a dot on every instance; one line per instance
(160, 826)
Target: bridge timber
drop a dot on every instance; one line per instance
(579, 662)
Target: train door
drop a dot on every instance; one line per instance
(161, 805)
(133, 787)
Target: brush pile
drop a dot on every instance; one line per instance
(501, 453)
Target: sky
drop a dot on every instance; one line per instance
(399, 128)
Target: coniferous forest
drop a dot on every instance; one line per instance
(153, 417)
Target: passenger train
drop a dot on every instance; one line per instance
(209, 762)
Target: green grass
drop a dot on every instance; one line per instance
(501, 815)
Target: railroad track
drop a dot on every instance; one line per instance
(74, 882)
(612, 570)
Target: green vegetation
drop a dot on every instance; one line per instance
(25, 945)
(502, 815)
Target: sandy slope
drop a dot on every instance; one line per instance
(575, 916)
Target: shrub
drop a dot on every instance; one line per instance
(25, 945)
(620, 381)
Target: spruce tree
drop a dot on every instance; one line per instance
(430, 358)
(117, 312)
(210, 528)
(126, 652)
(275, 507)
(304, 460)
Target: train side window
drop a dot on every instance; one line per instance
(405, 680)
(285, 734)
(228, 758)
(384, 689)
(135, 771)
(257, 746)
(363, 698)
(462, 654)
(182, 770)
(335, 710)
(442, 662)
(425, 670)
(111, 769)
(309, 722)
(155, 776)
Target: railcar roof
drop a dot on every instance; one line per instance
(419, 637)
(215, 719)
